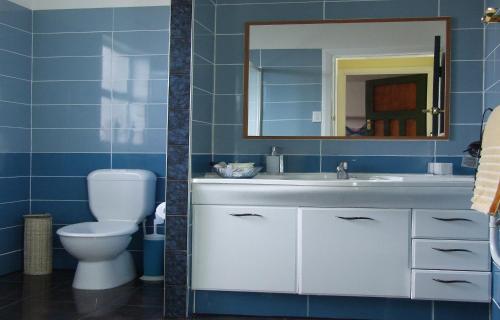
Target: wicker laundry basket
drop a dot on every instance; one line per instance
(37, 244)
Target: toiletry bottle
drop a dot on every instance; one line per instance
(274, 162)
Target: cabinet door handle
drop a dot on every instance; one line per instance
(452, 250)
(246, 215)
(451, 281)
(355, 218)
(452, 219)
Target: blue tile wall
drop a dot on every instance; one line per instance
(203, 97)
(492, 100)
(288, 305)
(15, 124)
(100, 81)
(227, 144)
(227, 105)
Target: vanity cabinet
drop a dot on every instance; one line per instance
(245, 248)
(400, 239)
(354, 252)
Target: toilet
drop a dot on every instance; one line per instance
(119, 200)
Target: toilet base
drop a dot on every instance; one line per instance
(99, 275)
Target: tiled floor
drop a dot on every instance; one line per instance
(52, 298)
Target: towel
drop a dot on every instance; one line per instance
(486, 197)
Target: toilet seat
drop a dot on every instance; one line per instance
(98, 229)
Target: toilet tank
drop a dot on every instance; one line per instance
(121, 195)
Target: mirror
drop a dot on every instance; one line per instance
(347, 79)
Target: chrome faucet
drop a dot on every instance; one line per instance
(342, 171)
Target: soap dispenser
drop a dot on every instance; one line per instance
(274, 162)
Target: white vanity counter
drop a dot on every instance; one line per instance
(325, 190)
(355, 180)
(376, 235)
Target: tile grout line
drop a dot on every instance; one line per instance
(16, 28)
(14, 52)
(214, 68)
(112, 89)
(31, 110)
(484, 63)
(102, 31)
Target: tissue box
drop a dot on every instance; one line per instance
(440, 168)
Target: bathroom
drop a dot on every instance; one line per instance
(163, 86)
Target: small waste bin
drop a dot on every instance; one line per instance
(153, 257)
(37, 244)
(153, 251)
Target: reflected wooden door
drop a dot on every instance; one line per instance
(396, 106)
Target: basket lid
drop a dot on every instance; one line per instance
(38, 216)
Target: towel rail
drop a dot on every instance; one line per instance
(494, 249)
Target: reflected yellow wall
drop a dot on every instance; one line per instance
(374, 66)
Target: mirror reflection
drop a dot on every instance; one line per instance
(347, 79)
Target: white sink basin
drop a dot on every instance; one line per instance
(329, 176)
(355, 180)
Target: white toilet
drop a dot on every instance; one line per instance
(120, 200)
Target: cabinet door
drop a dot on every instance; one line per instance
(354, 252)
(244, 248)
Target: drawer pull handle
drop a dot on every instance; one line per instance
(356, 218)
(452, 219)
(452, 250)
(451, 281)
(246, 215)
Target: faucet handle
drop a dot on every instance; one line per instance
(342, 165)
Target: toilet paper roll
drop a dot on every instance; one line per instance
(160, 211)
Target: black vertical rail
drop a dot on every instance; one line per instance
(435, 85)
(179, 102)
(442, 96)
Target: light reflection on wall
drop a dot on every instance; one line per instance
(128, 94)
(106, 84)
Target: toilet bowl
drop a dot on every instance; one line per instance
(119, 199)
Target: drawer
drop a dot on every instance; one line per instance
(451, 255)
(449, 224)
(451, 285)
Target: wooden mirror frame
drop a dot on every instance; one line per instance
(447, 67)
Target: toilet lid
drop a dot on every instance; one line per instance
(98, 229)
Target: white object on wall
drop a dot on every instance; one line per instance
(316, 116)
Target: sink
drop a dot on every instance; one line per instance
(329, 176)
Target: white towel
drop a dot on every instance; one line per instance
(486, 197)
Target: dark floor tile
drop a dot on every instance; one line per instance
(147, 296)
(23, 290)
(30, 309)
(12, 277)
(6, 301)
(11, 290)
(128, 312)
(201, 317)
(58, 277)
